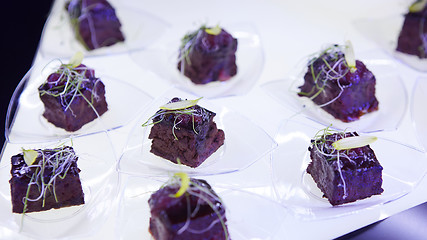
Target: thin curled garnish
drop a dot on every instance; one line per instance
(183, 104)
(214, 31)
(353, 142)
(349, 56)
(185, 184)
(76, 60)
(418, 6)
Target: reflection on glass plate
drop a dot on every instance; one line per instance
(99, 181)
(390, 92)
(245, 143)
(134, 212)
(385, 32)
(403, 167)
(419, 110)
(139, 28)
(25, 123)
(249, 60)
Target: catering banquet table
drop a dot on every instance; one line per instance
(276, 38)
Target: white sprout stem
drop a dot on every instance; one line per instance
(341, 176)
(201, 194)
(335, 98)
(85, 11)
(60, 163)
(335, 72)
(196, 231)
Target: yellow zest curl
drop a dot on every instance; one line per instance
(180, 104)
(185, 183)
(353, 142)
(76, 60)
(30, 156)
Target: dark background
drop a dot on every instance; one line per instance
(23, 23)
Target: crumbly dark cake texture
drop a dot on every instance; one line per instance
(412, 38)
(68, 190)
(347, 97)
(191, 139)
(206, 58)
(70, 111)
(357, 174)
(95, 23)
(170, 214)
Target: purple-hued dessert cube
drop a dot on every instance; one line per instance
(344, 176)
(73, 97)
(95, 23)
(52, 181)
(187, 138)
(206, 57)
(190, 216)
(331, 84)
(413, 35)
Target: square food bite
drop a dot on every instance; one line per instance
(45, 179)
(187, 135)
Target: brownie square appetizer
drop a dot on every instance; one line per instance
(345, 92)
(196, 214)
(412, 38)
(95, 23)
(72, 97)
(207, 55)
(186, 136)
(347, 175)
(45, 179)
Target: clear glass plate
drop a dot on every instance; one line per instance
(25, 122)
(249, 59)
(245, 143)
(385, 32)
(390, 92)
(99, 181)
(419, 111)
(139, 28)
(404, 167)
(134, 212)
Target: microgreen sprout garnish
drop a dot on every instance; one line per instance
(185, 183)
(30, 156)
(183, 104)
(187, 43)
(327, 66)
(203, 193)
(71, 81)
(178, 109)
(417, 6)
(353, 142)
(48, 166)
(214, 31)
(349, 56)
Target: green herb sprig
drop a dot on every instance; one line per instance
(58, 163)
(336, 64)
